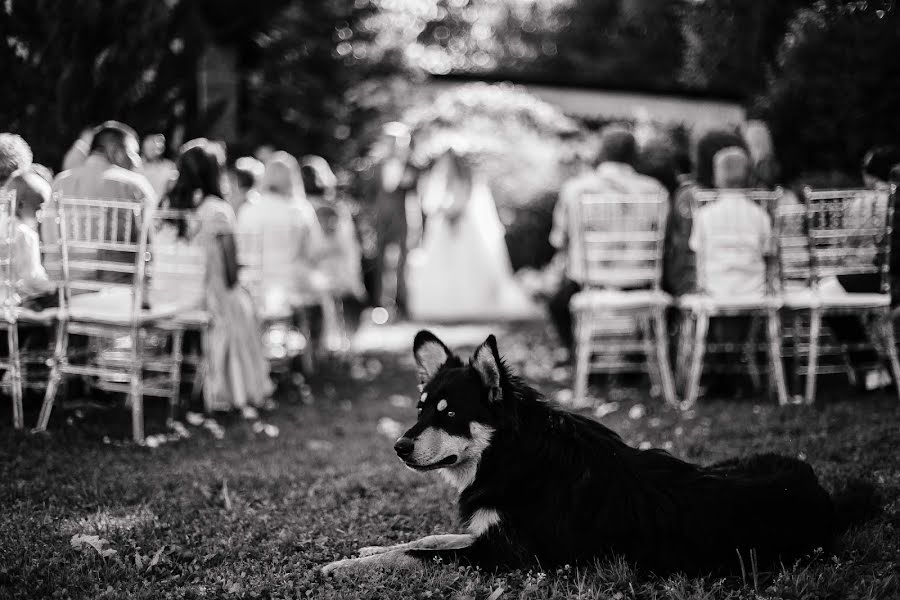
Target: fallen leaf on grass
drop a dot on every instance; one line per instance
(155, 560)
(496, 593)
(82, 542)
(226, 497)
(637, 412)
(605, 409)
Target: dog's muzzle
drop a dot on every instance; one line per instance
(404, 447)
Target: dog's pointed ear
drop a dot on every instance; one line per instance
(486, 361)
(431, 354)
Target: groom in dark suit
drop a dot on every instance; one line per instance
(387, 184)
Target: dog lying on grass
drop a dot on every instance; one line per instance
(539, 485)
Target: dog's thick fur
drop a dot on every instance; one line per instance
(539, 485)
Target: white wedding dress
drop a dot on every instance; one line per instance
(462, 271)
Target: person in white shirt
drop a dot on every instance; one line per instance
(733, 235)
(615, 173)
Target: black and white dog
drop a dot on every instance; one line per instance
(539, 485)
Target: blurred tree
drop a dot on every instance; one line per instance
(730, 44)
(833, 93)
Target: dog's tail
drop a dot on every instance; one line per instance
(855, 503)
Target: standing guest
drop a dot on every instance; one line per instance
(246, 175)
(108, 173)
(388, 182)
(764, 165)
(679, 269)
(284, 222)
(237, 376)
(15, 155)
(159, 170)
(340, 255)
(849, 330)
(614, 174)
(80, 150)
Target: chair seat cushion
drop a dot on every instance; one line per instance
(808, 298)
(707, 303)
(618, 299)
(114, 306)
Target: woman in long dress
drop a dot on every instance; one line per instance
(462, 271)
(237, 373)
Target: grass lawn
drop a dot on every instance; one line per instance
(254, 516)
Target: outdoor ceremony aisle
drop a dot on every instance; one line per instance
(253, 514)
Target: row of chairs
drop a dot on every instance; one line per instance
(108, 258)
(620, 316)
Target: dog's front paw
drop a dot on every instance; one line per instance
(333, 567)
(372, 550)
(384, 560)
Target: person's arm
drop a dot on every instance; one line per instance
(559, 233)
(228, 248)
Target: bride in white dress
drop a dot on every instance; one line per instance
(462, 270)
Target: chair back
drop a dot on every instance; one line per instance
(178, 259)
(102, 244)
(622, 238)
(767, 200)
(849, 233)
(7, 239)
(791, 245)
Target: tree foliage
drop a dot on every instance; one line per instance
(832, 95)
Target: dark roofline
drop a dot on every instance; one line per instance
(548, 81)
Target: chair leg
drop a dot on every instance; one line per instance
(670, 395)
(685, 336)
(776, 366)
(647, 333)
(796, 326)
(749, 354)
(886, 327)
(582, 357)
(175, 375)
(55, 375)
(15, 370)
(701, 328)
(136, 387)
(815, 330)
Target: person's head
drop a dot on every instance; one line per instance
(247, 173)
(895, 174)
(617, 144)
(153, 147)
(731, 168)
(282, 176)
(657, 158)
(877, 165)
(199, 175)
(15, 154)
(395, 138)
(761, 149)
(318, 178)
(31, 192)
(705, 150)
(118, 143)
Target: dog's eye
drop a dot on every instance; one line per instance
(451, 414)
(419, 410)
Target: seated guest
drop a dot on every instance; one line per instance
(849, 330)
(159, 170)
(283, 226)
(732, 235)
(108, 173)
(28, 276)
(615, 173)
(245, 178)
(237, 375)
(731, 238)
(679, 273)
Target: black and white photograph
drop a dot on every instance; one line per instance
(458, 299)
